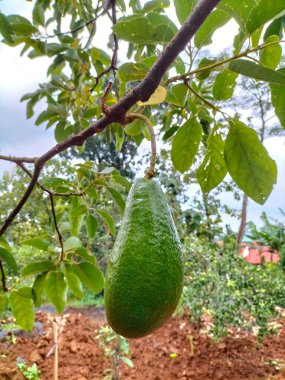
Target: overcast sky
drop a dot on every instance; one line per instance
(18, 136)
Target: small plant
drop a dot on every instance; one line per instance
(30, 373)
(277, 363)
(10, 328)
(115, 347)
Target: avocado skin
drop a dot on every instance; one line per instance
(144, 277)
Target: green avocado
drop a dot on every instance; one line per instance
(145, 272)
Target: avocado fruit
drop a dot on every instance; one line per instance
(144, 277)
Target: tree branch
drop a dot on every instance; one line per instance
(25, 197)
(16, 160)
(141, 92)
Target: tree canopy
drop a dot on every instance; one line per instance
(153, 79)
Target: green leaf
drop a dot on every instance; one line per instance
(224, 85)
(21, 301)
(263, 12)
(56, 290)
(108, 219)
(37, 267)
(177, 95)
(72, 243)
(119, 140)
(135, 128)
(78, 211)
(39, 15)
(183, 9)
(170, 132)
(90, 276)
(3, 302)
(5, 28)
(275, 28)
(127, 361)
(205, 62)
(45, 116)
(76, 224)
(214, 21)
(91, 225)
(248, 162)
(122, 181)
(38, 289)
(54, 182)
(132, 71)
(271, 55)
(252, 70)
(21, 26)
(4, 244)
(256, 37)
(83, 253)
(93, 194)
(117, 198)
(252, 14)
(37, 243)
(213, 168)
(278, 100)
(73, 281)
(155, 4)
(9, 258)
(62, 131)
(151, 29)
(185, 145)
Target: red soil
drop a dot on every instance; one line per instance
(176, 351)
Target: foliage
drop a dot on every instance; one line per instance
(77, 201)
(31, 373)
(233, 292)
(46, 266)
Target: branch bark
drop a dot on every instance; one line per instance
(141, 92)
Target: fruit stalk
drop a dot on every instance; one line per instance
(149, 173)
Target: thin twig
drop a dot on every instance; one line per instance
(114, 59)
(141, 92)
(92, 32)
(92, 20)
(105, 109)
(219, 63)
(149, 173)
(56, 227)
(16, 160)
(22, 201)
(54, 193)
(211, 105)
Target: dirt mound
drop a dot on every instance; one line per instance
(176, 351)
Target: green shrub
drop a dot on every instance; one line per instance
(224, 285)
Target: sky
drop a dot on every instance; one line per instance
(19, 136)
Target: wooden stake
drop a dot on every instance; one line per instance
(55, 336)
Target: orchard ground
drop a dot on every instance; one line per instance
(179, 350)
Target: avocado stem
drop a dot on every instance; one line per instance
(149, 173)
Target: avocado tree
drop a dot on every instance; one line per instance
(161, 82)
